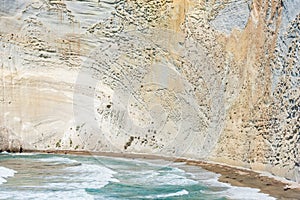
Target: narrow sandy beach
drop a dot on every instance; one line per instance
(229, 174)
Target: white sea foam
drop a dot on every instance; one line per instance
(154, 174)
(244, 193)
(153, 177)
(78, 194)
(23, 154)
(174, 179)
(179, 193)
(58, 160)
(210, 179)
(5, 173)
(241, 193)
(232, 192)
(85, 176)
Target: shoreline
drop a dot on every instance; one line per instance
(235, 176)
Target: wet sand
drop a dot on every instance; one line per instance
(231, 175)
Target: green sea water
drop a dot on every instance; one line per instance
(48, 176)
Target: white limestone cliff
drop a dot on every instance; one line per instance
(216, 80)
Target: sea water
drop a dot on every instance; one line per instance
(49, 176)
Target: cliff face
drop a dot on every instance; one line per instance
(216, 80)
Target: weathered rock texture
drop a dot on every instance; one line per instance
(216, 80)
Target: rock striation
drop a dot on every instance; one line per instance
(216, 80)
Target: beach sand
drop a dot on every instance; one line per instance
(228, 174)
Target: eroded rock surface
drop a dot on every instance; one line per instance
(214, 80)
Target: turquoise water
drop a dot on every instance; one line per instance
(47, 176)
